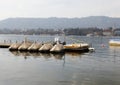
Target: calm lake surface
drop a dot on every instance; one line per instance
(101, 67)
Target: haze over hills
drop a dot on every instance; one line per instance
(55, 23)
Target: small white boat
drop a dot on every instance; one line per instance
(92, 49)
(114, 42)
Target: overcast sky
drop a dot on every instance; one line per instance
(59, 8)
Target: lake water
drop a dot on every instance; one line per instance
(101, 67)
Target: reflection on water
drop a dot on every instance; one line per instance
(114, 50)
(74, 54)
(58, 56)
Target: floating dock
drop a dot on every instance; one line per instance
(47, 47)
(5, 45)
(57, 47)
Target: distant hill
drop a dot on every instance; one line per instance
(28, 23)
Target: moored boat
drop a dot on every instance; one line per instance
(46, 47)
(35, 47)
(57, 48)
(24, 46)
(114, 42)
(14, 46)
(77, 47)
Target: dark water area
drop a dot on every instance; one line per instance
(101, 67)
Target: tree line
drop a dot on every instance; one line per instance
(66, 31)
